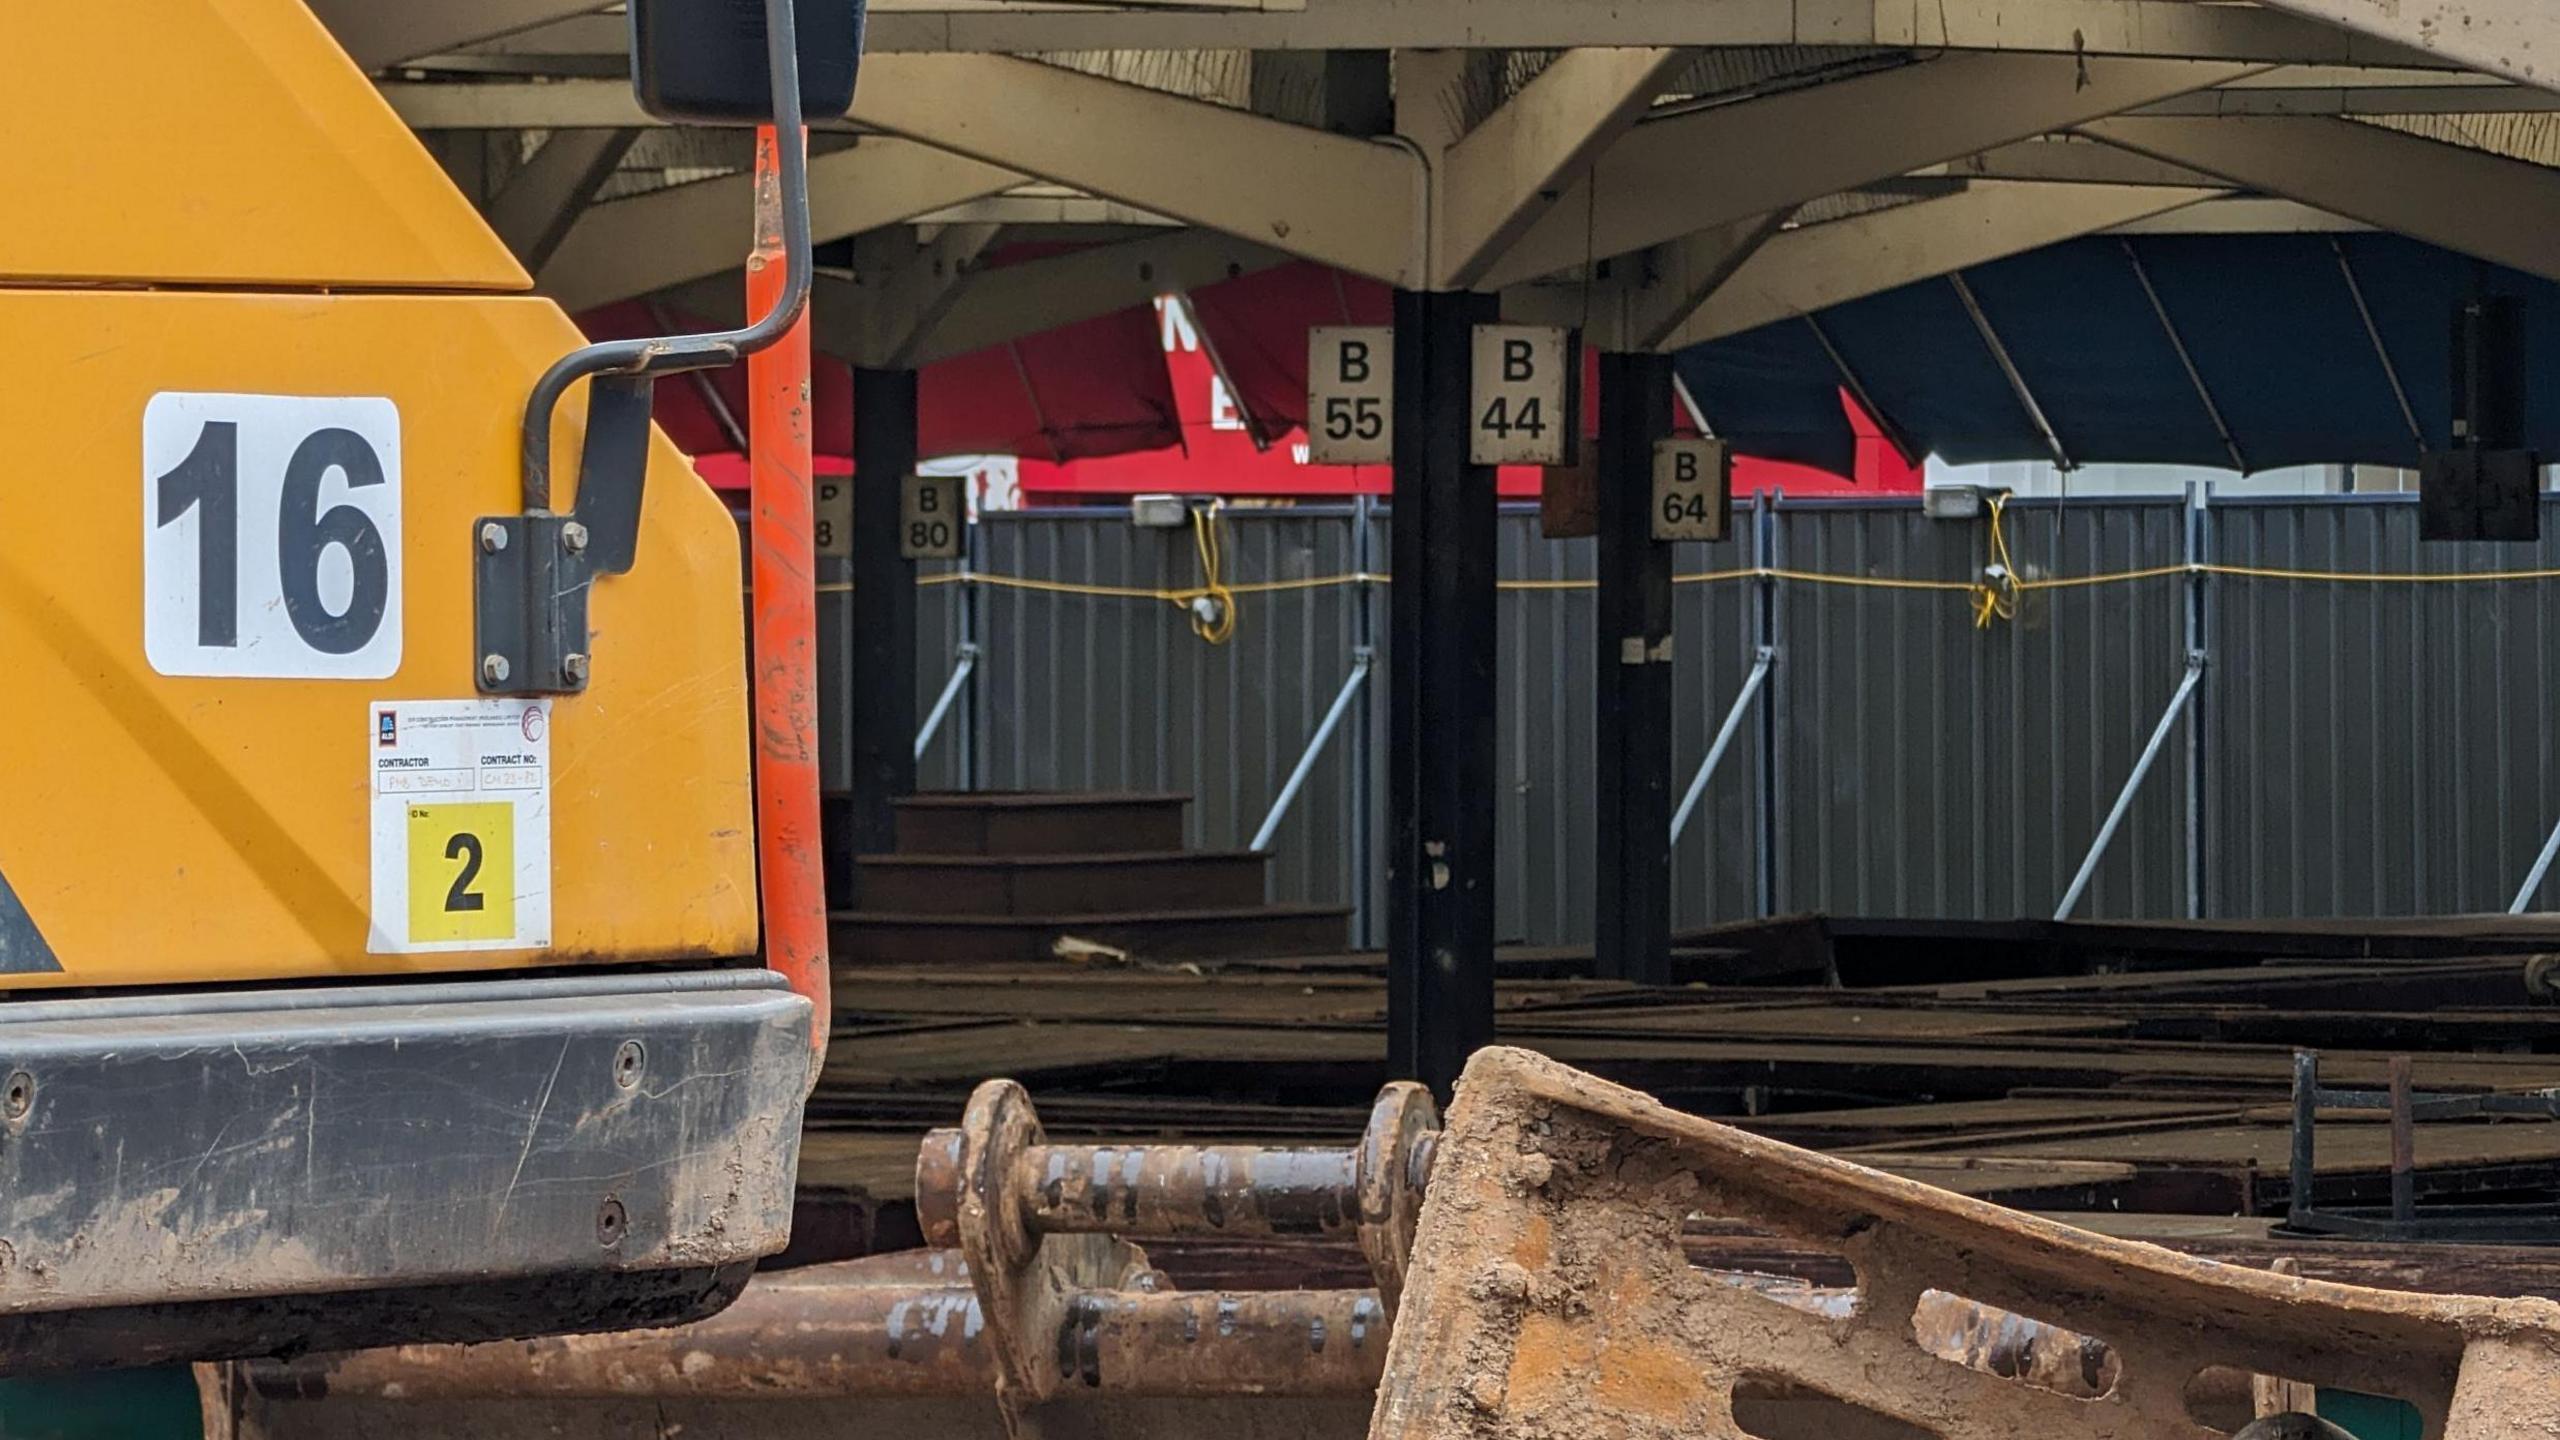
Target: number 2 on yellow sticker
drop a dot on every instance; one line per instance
(462, 872)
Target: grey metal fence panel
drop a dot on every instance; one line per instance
(939, 630)
(1085, 692)
(2376, 749)
(1715, 634)
(1547, 815)
(1932, 768)
(2367, 749)
(1544, 816)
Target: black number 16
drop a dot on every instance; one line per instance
(210, 477)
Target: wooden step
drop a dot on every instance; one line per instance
(1031, 822)
(863, 937)
(1061, 884)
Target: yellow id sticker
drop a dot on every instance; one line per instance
(462, 872)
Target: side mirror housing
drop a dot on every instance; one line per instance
(704, 62)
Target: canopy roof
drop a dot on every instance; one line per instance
(1672, 174)
(2243, 351)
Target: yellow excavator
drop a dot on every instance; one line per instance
(381, 851)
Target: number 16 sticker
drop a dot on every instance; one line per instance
(461, 825)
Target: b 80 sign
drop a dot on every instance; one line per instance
(932, 511)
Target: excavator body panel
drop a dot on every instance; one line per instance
(342, 1000)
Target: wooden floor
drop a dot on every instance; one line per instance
(2162, 1092)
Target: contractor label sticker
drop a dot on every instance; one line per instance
(461, 825)
(271, 536)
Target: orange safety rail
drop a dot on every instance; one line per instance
(791, 874)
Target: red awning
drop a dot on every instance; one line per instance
(1257, 327)
(1090, 389)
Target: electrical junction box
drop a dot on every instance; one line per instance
(1159, 512)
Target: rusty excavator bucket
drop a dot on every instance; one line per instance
(1547, 1295)
(1528, 1282)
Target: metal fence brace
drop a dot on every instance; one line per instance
(1548, 1296)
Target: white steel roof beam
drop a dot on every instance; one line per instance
(907, 299)
(1801, 271)
(2243, 215)
(626, 248)
(2165, 29)
(1500, 177)
(1681, 275)
(1018, 300)
(2468, 200)
(538, 204)
(994, 307)
(2466, 99)
(376, 33)
(1324, 197)
(2069, 158)
(2519, 39)
(1675, 176)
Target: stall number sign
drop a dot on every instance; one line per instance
(931, 512)
(1692, 490)
(461, 825)
(834, 532)
(1351, 395)
(271, 536)
(1521, 411)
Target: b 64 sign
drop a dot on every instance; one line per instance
(1692, 490)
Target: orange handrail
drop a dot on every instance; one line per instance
(791, 873)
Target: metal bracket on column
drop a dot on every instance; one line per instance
(1766, 656)
(529, 599)
(532, 571)
(2132, 786)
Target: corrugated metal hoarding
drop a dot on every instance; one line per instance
(2377, 748)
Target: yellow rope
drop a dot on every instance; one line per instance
(1996, 596)
(2113, 577)
(1869, 582)
(2002, 594)
(2369, 577)
(1217, 624)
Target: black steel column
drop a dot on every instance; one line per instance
(879, 690)
(1633, 801)
(1440, 702)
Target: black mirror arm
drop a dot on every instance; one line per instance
(671, 354)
